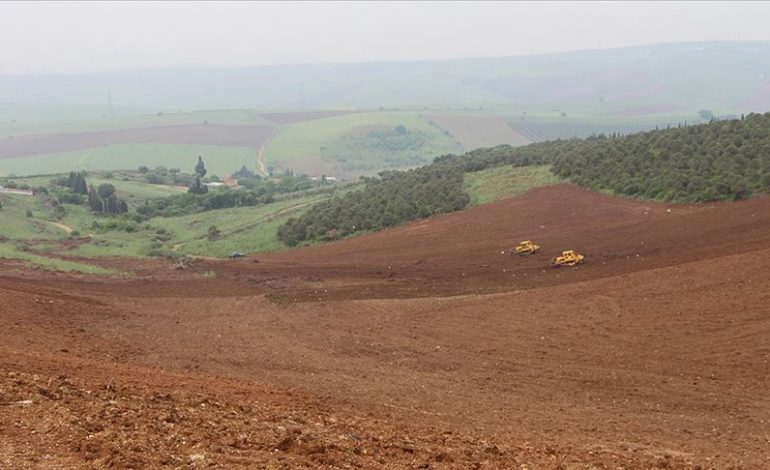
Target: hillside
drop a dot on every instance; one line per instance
(56, 228)
(726, 76)
(719, 160)
(421, 345)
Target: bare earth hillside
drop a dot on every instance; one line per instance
(424, 346)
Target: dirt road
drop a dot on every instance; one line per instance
(261, 152)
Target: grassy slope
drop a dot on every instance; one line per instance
(507, 181)
(16, 227)
(134, 192)
(219, 160)
(244, 229)
(310, 138)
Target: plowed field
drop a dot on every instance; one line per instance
(234, 135)
(424, 346)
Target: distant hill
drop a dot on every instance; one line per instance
(722, 76)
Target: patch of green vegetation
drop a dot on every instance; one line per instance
(393, 198)
(508, 181)
(16, 225)
(135, 190)
(354, 140)
(381, 148)
(220, 161)
(41, 224)
(244, 229)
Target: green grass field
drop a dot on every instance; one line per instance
(331, 137)
(219, 160)
(134, 192)
(507, 181)
(244, 229)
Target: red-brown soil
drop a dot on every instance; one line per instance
(417, 347)
(232, 135)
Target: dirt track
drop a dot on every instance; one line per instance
(418, 347)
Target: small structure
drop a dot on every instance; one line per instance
(21, 192)
(328, 179)
(230, 181)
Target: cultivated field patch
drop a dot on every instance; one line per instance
(220, 160)
(184, 134)
(475, 130)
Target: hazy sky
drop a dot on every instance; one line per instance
(92, 36)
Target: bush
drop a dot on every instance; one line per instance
(213, 233)
(71, 198)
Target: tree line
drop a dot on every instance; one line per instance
(101, 200)
(718, 160)
(393, 198)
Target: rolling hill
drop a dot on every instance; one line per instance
(723, 76)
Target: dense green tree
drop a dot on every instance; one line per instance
(200, 168)
(76, 182)
(105, 190)
(104, 201)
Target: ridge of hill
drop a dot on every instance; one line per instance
(727, 76)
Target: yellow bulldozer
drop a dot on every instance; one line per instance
(567, 258)
(525, 248)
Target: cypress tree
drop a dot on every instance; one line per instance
(200, 168)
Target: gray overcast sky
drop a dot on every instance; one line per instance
(92, 36)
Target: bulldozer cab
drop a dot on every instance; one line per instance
(567, 258)
(525, 247)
